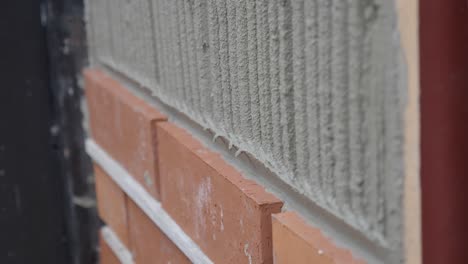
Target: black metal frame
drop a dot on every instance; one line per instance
(66, 37)
(47, 212)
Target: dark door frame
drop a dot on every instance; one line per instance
(33, 226)
(67, 50)
(47, 212)
(444, 130)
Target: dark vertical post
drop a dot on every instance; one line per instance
(32, 219)
(444, 130)
(68, 54)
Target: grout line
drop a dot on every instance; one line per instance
(119, 249)
(147, 203)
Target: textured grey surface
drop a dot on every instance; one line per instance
(312, 88)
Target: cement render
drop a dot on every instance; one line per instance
(314, 89)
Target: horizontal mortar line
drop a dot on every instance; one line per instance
(117, 247)
(147, 203)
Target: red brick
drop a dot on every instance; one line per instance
(106, 255)
(149, 244)
(111, 203)
(294, 241)
(124, 126)
(228, 216)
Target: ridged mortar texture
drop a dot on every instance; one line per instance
(312, 88)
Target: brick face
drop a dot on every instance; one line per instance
(111, 203)
(227, 215)
(294, 241)
(124, 126)
(149, 244)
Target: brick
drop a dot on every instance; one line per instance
(106, 255)
(149, 244)
(294, 241)
(228, 216)
(111, 203)
(124, 126)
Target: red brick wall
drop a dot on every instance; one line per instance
(226, 216)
